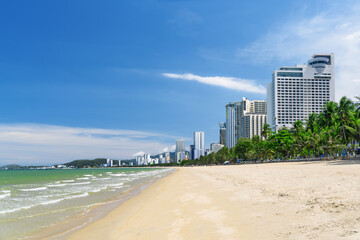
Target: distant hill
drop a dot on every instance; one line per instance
(12, 167)
(86, 163)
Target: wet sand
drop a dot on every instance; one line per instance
(306, 200)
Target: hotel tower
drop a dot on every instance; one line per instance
(296, 92)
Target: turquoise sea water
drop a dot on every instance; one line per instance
(31, 200)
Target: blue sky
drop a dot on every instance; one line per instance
(86, 79)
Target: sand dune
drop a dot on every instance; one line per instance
(319, 200)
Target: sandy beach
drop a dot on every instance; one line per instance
(306, 200)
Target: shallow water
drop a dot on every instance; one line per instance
(31, 200)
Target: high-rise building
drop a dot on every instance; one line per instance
(199, 144)
(230, 125)
(296, 92)
(222, 133)
(180, 145)
(180, 150)
(244, 119)
(192, 149)
(250, 118)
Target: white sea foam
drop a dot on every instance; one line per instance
(88, 175)
(68, 181)
(117, 174)
(82, 178)
(80, 183)
(4, 195)
(56, 185)
(33, 189)
(115, 185)
(5, 191)
(44, 203)
(99, 179)
(16, 209)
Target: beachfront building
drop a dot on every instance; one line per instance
(250, 118)
(215, 147)
(199, 144)
(222, 133)
(192, 148)
(143, 159)
(244, 119)
(167, 157)
(180, 150)
(296, 92)
(230, 125)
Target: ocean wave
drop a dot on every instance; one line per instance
(56, 185)
(99, 179)
(82, 178)
(88, 175)
(45, 203)
(4, 195)
(68, 181)
(97, 190)
(33, 189)
(117, 174)
(79, 183)
(115, 185)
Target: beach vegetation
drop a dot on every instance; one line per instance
(335, 132)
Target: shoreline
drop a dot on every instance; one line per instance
(296, 200)
(96, 212)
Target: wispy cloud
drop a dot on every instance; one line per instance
(47, 144)
(226, 82)
(329, 31)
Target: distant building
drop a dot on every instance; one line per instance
(244, 119)
(192, 149)
(109, 163)
(162, 159)
(180, 150)
(207, 151)
(230, 125)
(250, 118)
(167, 157)
(222, 133)
(142, 160)
(215, 147)
(296, 92)
(180, 156)
(199, 144)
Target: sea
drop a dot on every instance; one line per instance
(32, 200)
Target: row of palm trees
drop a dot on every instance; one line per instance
(333, 132)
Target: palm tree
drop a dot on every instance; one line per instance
(312, 122)
(266, 131)
(345, 112)
(329, 114)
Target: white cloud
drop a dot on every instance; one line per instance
(226, 82)
(297, 40)
(168, 149)
(31, 144)
(138, 154)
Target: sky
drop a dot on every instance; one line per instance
(85, 79)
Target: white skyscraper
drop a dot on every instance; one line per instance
(250, 118)
(244, 119)
(199, 144)
(296, 92)
(230, 125)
